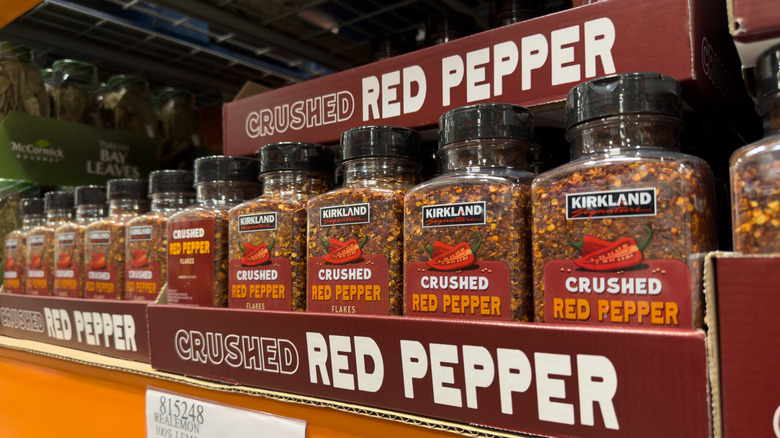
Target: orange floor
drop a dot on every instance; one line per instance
(47, 397)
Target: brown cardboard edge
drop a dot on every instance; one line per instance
(145, 369)
(733, 28)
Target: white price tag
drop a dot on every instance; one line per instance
(172, 415)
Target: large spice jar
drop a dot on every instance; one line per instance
(268, 234)
(146, 245)
(104, 240)
(11, 192)
(69, 241)
(467, 233)
(198, 235)
(15, 246)
(39, 253)
(613, 230)
(355, 239)
(755, 169)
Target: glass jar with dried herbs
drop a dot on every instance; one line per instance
(39, 253)
(69, 241)
(198, 235)
(355, 238)
(613, 229)
(146, 245)
(15, 266)
(467, 232)
(74, 84)
(104, 239)
(755, 169)
(268, 234)
(125, 105)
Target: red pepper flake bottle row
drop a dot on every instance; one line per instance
(69, 241)
(104, 240)
(146, 245)
(198, 235)
(613, 230)
(268, 234)
(466, 233)
(39, 253)
(355, 241)
(15, 266)
(755, 169)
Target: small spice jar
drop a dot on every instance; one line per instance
(146, 245)
(614, 228)
(755, 169)
(69, 241)
(198, 235)
(467, 233)
(39, 253)
(355, 241)
(15, 266)
(268, 234)
(104, 239)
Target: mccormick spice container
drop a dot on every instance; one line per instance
(198, 235)
(40, 243)
(755, 169)
(14, 267)
(614, 228)
(104, 245)
(355, 262)
(69, 241)
(268, 234)
(146, 246)
(467, 233)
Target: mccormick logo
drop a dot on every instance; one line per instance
(248, 223)
(37, 241)
(451, 215)
(99, 237)
(40, 151)
(140, 233)
(345, 215)
(66, 238)
(617, 203)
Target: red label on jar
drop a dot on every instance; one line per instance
(191, 262)
(264, 287)
(479, 291)
(67, 281)
(13, 268)
(142, 281)
(653, 293)
(101, 279)
(356, 287)
(38, 271)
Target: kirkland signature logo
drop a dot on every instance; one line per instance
(451, 215)
(345, 215)
(248, 223)
(616, 203)
(42, 150)
(140, 233)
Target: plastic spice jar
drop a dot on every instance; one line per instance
(198, 235)
(146, 245)
(39, 253)
(104, 244)
(11, 192)
(268, 234)
(74, 84)
(755, 169)
(69, 241)
(355, 260)
(14, 267)
(125, 105)
(614, 228)
(467, 233)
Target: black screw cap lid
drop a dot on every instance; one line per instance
(486, 120)
(222, 168)
(380, 141)
(90, 195)
(295, 156)
(171, 181)
(126, 188)
(767, 73)
(58, 200)
(627, 93)
(31, 206)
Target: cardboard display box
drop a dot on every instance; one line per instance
(534, 63)
(112, 328)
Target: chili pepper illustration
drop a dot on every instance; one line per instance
(621, 254)
(36, 261)
(10, 264)
(98, 261)
(139, 258)
(588, 244)
(450, 258)
(257, 255)
(64, 260)
(350, 251)
(332, 244)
